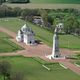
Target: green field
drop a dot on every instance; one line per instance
(6, 45)
(69, 41)
(55, 1)
(3, 35)
(33, 70)
(66, 41)
(44, 6)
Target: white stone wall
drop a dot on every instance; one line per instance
(19, 38)
(25, 38)
(29, 39)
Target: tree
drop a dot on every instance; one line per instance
(17, 11)
(1, 1)
(24, 13)
(19, 1)
(70, 25)
(28, 14)
(5, 69)
(44, 16)
(6, 11)
(77, 31)
(17, 76)
(50, 19)
(2, 11)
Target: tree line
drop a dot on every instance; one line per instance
(15, 1)
(19, 1)
(51, 17)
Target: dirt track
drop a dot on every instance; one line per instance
(40, 50)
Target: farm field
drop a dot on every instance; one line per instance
(48, 4)
(44, 6)
(66, 41)
(6, 45)
(33, 70)
(56, 1)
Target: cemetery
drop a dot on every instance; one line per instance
(39, 44)
(36, 64)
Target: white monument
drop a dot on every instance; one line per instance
(26, 35)
(55, 51)
(60, 26)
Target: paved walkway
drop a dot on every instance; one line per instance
(40, 50)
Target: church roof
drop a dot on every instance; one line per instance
(27, 30)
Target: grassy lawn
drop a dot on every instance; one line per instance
(6, 45)
(55, 1)
(33, 70)
(11, 23)
(78, 62)
(3, 35)
(66, 41)
(76, 59)
(69, 41)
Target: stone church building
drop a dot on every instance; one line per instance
(26, 35)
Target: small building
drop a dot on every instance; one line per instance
(26, 35)
(60, 27)
(38, 21)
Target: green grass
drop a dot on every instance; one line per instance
(4, 35)
(12, 23)
(76, 59)
(66, 41)
(78, 63)
(6, 45)
(33, 70)
(56, 1)
(69, 41)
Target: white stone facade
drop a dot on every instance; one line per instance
(26, 35)
(60, 27)
(55, 51)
